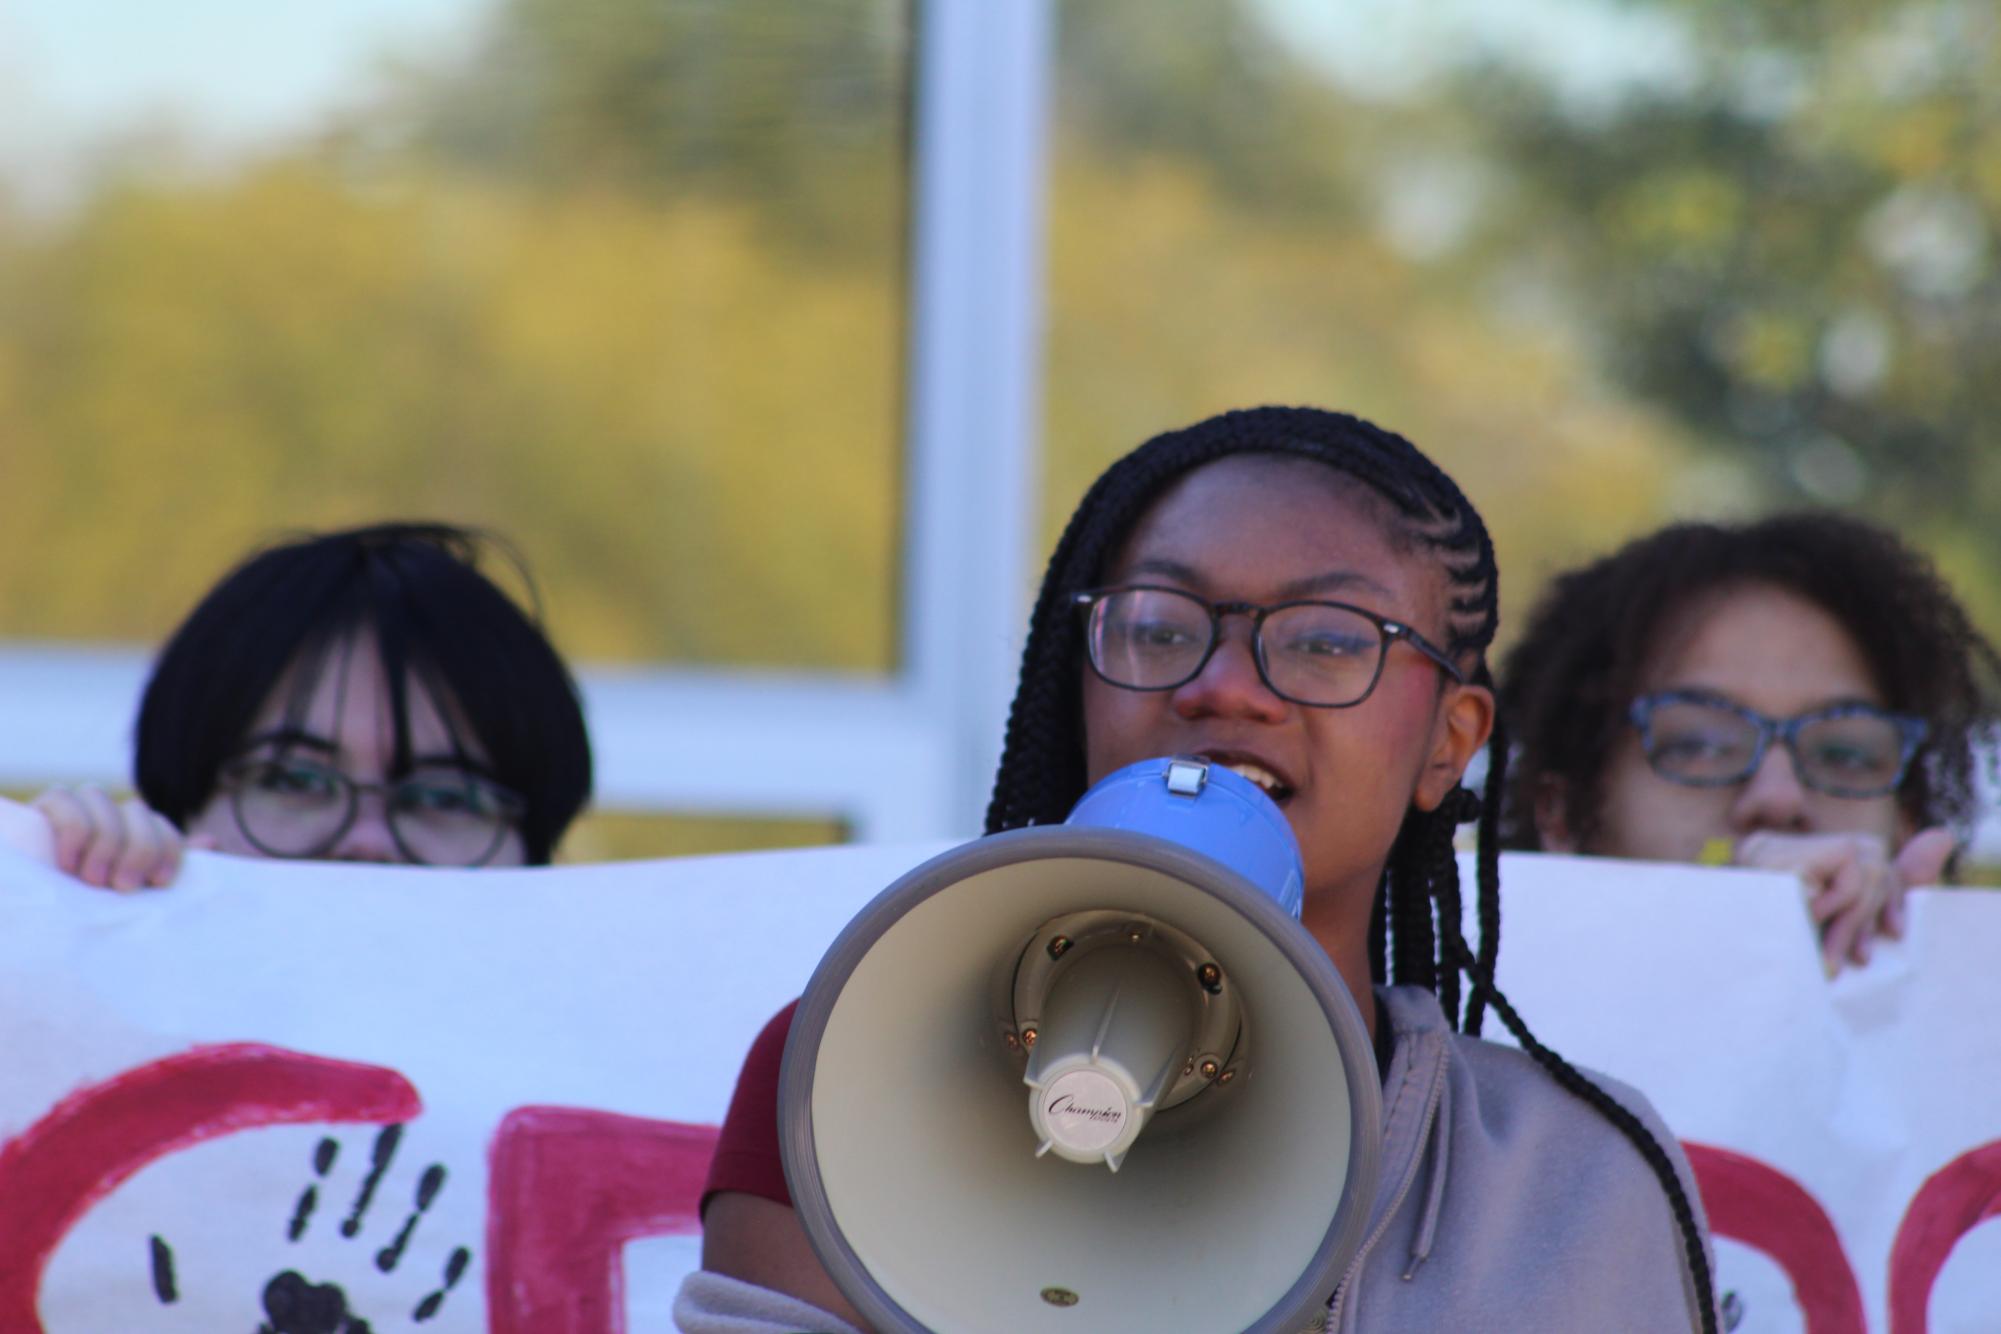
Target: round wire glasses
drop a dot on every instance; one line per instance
(298, 807)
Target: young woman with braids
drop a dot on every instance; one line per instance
(1801, 693)
(1517, 1192)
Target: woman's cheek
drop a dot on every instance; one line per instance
(1121, 727)
(1643, 816)
(1383, 737)
(511, 852)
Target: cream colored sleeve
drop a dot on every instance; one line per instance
(715, 1304)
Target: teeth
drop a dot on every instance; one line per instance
(1258, 774)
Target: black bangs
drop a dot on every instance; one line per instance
(434, 616)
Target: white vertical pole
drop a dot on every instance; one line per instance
(974, 403)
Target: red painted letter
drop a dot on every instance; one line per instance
(567, 1188)
(1960, 1196)
(52, 1172)
(1764, 1208)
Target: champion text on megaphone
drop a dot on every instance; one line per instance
(1092, 1076)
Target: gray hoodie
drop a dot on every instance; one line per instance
(1504, 1204)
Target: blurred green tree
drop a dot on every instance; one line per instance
(796, 108)
(691, 434)
(1790, 246)
(624, 279)
(624, 282)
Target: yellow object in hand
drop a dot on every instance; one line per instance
(1717, 852)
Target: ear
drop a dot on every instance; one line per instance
(1552, 816)
(1464, 720)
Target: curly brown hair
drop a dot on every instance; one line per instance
(1566, 685)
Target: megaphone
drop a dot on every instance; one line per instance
(1088, 1077)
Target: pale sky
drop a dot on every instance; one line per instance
(229, 74)
(227, 62)
(1593, 51)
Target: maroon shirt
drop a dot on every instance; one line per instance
(747, 1157)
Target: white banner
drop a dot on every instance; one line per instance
(292, 1095)
(1847, 1134)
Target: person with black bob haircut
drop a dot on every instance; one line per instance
(1798, 693)
(1306, 599)
(367, 694)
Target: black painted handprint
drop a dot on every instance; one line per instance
(295, 1304)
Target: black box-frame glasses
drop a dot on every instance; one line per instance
(1326, 655)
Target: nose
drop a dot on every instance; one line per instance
(368, 838)
(1772, 797)
(1229, 684)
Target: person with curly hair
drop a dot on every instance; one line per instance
(362, 695)
(1798, 693)
(1306, 599)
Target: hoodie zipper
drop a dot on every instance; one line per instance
(1431, 1098)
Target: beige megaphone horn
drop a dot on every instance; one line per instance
(1088, 1077)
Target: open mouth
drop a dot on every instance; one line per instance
(1268, 782)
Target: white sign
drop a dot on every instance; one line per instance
(1846, 1134)
(291, 1095)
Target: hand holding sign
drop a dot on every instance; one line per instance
(1855, 887)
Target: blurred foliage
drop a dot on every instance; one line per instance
(797, 109)
(691, 434)
(1165, 309)
(609, 836)
(1766, 274)
(1225, 247)
(624, 280)
(1791, 248)
(685, 415)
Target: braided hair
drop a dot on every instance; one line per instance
(1415, 935)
